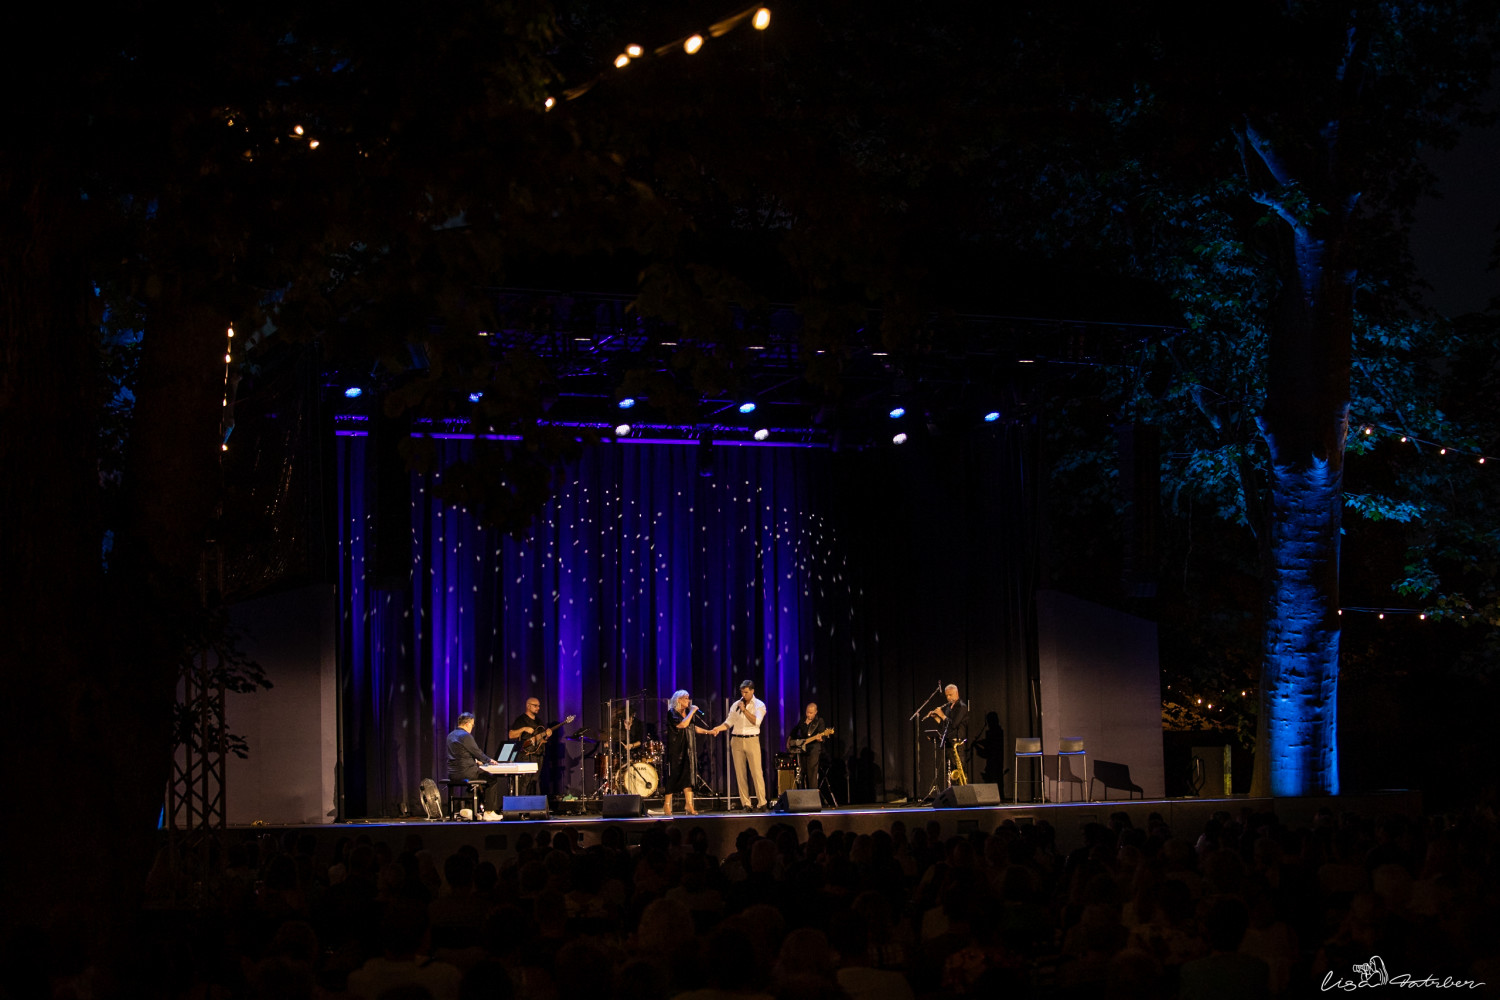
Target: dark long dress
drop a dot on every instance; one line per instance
(680, 746)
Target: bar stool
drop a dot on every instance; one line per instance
(1027, 746)
(465, 790)
(1072, 746)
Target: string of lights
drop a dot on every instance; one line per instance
(759, 18)
(226, 418)
(1368, 430)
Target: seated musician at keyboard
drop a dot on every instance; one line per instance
(464, 758)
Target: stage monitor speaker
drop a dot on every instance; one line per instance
(968, 796)
(621, 806)
(800, 800)
(524, 807)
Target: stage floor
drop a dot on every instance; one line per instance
(496, 839)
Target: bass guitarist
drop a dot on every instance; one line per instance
(807, 739)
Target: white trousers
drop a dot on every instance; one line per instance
(745, 752)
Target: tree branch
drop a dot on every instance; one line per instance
(1267, 155)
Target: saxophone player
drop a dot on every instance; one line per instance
(953, 731)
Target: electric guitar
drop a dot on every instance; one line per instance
(799, 745)
(536, 742)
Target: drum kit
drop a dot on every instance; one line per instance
(624, 762)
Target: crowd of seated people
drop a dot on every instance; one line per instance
(1245, 907)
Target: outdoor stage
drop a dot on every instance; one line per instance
(496, 839)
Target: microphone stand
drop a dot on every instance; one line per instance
(916, 756)
(699, 719)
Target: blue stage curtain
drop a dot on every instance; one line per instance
(857, 581)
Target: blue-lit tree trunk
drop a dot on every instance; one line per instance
(1305, 425)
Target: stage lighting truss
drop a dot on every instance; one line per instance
(967, 365)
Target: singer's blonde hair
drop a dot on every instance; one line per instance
(672, 705)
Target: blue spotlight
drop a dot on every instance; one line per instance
(992, 416)
(627, 402)
(475, 397)
(353, 392)
(898, 413)
(747, 407)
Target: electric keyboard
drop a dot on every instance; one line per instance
(511, 767)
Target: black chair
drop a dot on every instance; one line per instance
(466, 790)
(1116, 776)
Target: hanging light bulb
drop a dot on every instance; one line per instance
(762, 19)
(297, 130)
(633, 51)
(693, 44)
(549, 103)
(621, 61)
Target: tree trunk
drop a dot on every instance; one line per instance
(1305, 425)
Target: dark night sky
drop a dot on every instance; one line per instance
(1454, 235)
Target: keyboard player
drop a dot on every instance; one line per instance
(465, 758)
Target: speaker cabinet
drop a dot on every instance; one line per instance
(524, 807)
(800, 800)
(621, 806)
(968, 796)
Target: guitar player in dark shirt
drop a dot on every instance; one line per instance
(807, 738)
(524, 728)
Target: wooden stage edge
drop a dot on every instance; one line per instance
(496, 839)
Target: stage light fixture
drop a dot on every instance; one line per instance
(762, 434)
(549, 104)
(353, 392)
(633, 51)
(992, 416)
(899, 438)
(621, 61)
(762, 19)
(622, 430)
(693, 44)
(627, 402)
(475, 397)
(898, 413)
(747, 407)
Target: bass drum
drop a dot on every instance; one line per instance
(639, 778)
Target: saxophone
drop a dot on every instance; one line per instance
(957, 775)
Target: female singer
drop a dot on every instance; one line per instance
(682, 749)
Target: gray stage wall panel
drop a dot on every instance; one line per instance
(1100, 679)
(292, 728)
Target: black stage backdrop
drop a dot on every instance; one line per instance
(857, 580)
